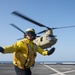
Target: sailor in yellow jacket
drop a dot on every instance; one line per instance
(25, 52)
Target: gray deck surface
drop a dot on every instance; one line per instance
(41, 69)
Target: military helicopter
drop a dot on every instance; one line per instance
(46, 40)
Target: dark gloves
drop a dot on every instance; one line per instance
(1, 49)
(51, 51)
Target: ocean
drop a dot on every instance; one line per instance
(43, 62)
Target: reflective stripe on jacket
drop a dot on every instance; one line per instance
(23, 55)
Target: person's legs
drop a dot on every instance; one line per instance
(28, 71)
(25, 71)
(19, 71)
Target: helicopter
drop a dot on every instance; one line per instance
(48, 39)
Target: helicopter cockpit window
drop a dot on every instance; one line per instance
(51, 35)
(48, 37)
(41, 39)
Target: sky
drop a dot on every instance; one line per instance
(52, 13)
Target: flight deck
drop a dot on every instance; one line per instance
(41, 69)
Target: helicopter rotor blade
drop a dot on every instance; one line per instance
(56, 28)
(41, 32)
(37, 23)
(19, 38)
(63, 27)
(28, 19)
(17, 28)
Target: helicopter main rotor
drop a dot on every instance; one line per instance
(28, 19)
(36, 23)
(17, 28)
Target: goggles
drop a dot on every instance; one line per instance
(30, 33)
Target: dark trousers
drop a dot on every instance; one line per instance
(25, 71)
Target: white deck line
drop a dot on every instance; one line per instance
(58, 73)
(69, 71)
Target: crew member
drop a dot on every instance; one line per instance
(25, 52)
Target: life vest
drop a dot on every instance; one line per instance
(30, 59)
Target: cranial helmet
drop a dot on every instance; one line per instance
(30, 31)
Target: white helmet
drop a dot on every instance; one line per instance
(30, 29)
(31, 32)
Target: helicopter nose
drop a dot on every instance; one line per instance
(53, 40)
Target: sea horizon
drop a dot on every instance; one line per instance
(43, 62)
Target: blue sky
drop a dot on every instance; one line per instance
(52, 13)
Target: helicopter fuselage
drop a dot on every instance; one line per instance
(47, 40)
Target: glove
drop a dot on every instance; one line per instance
(1, 50)
(51, 51)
